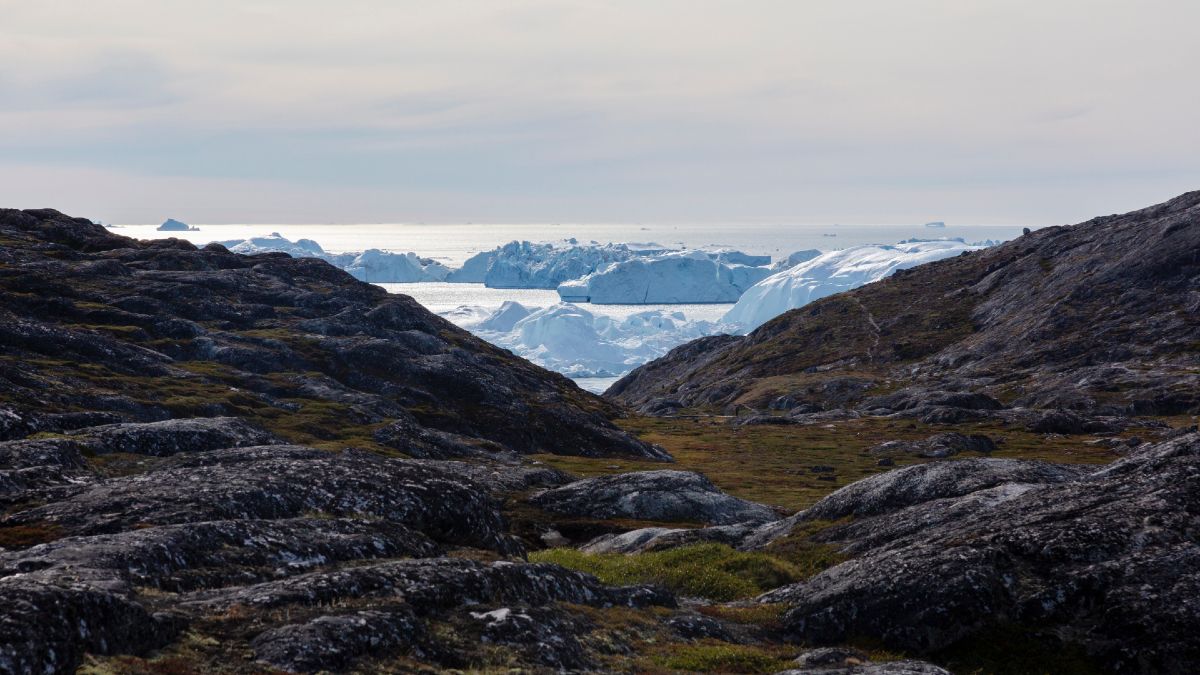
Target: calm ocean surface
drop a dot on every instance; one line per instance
(453, 244)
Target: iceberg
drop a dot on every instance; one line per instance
(834, 272)
(475, 270)
(504, 319)
(172, 225)
(575, 342)
(372, 265)
(679, 277)
(936, 224)
(275, 242)
(795, 259)
(735, 257)
(525, 264)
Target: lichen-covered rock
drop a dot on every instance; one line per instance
(1107, 560)
(506, 477)
(672, 496)
(331, 643)
(169, 437)
(64, 453)
(47, 627)
(186, 557)
(547, 636)
(938, 446)
(693, 626)
(271, 482)
(902, 667)
(29, 465)
(659, 538)
(433, 584)
(919, 399)
(934, 480)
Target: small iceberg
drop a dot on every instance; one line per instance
(172, 225)
(571, 340)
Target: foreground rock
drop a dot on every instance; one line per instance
(171, 437)
(1089, 559)
(669, 496)
(938, 446)
(282, 482)
(848, 661)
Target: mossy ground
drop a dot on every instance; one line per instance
(774, 464)
(711, 571)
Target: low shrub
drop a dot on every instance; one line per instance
(723, 659)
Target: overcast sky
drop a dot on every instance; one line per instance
(969, 111)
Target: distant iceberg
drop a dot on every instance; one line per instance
(372, 265)
(275, 242)
(679, 277)
(834, 272)
(525, 264)
(575, 342)
(172, 225)
(795, 259)
(936, 224)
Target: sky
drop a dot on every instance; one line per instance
(807, 111)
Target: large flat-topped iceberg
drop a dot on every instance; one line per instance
(834, 272)
(571, 340)
(679, 277)
(525, 264)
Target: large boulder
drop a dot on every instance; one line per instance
(1107, 560)
(919, 483)
(283, 481)
(170, 437)
(669, 496)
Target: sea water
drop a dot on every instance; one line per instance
(453, 244)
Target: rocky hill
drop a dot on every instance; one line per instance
(97, 328)
(1098, 317)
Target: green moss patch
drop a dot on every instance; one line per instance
(713, 571)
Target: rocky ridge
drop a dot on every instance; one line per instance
(1096, 318)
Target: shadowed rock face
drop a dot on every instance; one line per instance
(150, 331)
(293, 539)
(1106, 559)
(272, 482)
(1094, 317)
(653, 495)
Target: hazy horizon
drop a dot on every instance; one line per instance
(533, 111)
